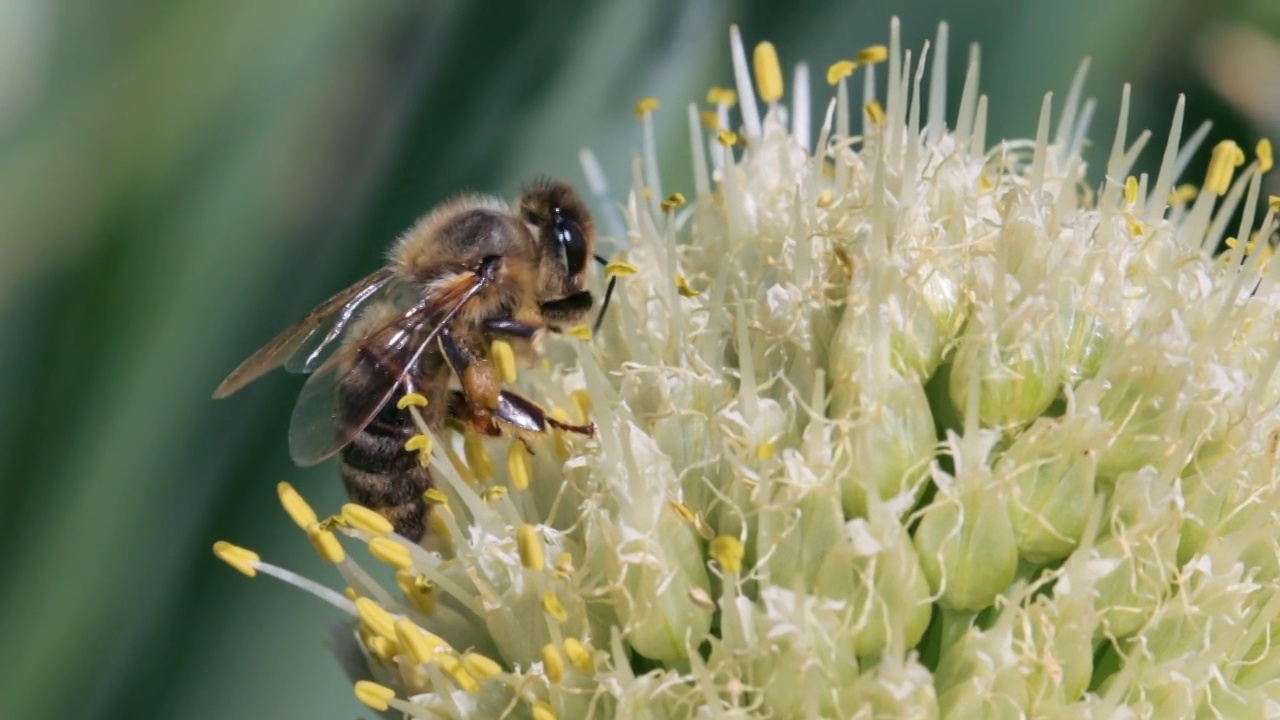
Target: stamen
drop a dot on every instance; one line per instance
(768, 72)
(493, 494)
(871, 55)
(419, 645)
(412, 399)
(519, 468)
(682, 287)
(644, 106)
(246, 561)
(579, 656)
(1183, 194)
(581, 332)
(297, 508)
(435, 496)
(1130, 190)
(709, 119)
(481, 667)
(362, 518)
(376, 618)
(700, 598)
(1265, 159)
(727, 138)
(374, 695)
(504, 357)
(326, 543)
(552, 663)
(477, 457)
(742, 78)
(840, 70)
(1227, 156)
(766, 450)
(420, 591)
(621, 268)
(722, 96)
(1273, 203)
(554, 607)
(727, 551)
(530, 545)
(418, 442)
(684, 511)
(464, 679)
(391, 552)
(543, 711)
(875, 113)
(673, 201)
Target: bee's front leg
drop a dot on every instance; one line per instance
(479, 379)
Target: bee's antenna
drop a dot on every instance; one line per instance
(608, 293)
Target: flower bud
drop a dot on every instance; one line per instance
(965, 541)
(1019, 364)
(885, 444)
(1050, 471)
(875, 572)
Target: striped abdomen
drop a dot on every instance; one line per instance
(376, 469)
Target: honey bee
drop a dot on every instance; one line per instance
(473, 270)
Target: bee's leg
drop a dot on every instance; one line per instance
(479, 380)
(567, 309)
(470, 417)
(509, 327)
(525, 415)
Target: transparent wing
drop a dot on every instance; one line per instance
(304, 344)
(349, 390)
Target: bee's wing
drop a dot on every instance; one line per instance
(302, 346)
(349, 390)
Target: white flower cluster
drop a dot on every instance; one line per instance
(895, 422)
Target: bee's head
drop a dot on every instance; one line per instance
(564, 233)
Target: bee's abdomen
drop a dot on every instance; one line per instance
(380, 474)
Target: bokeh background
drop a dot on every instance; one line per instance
(179, 180)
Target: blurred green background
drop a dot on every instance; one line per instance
(178, 181)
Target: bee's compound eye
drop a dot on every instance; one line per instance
(573, 246)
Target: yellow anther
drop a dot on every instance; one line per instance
(727, 551)
(350, 593)
(564, 565)
(682, 287)
(362, 518)
(1273, 203)
(581, 332)
(299, 511)
(727, 138)
(826, 199)
(391, 552)
(415, 641)
(420, 591)
(552, 663)
(418, 442)
(505, 358)
(519, 469)
(871, 54)
(554, 608)
(875, 112)
(582, 404)
(644, 106)
(1183, 194)
(722, 96)
(579, 656)
(374, 695)
(684, 511)
(764, 61)
(246, 561)
(710, 119)
(1136, 228)
(840, 70)
(413, 399)
(382, 648)
(1227, 156)
(700, 598)
(478, 457)
(620, 268)
(1231, 242)
(1131, 190)
(493, 494)
(1265, 159)
(435, 496)
(673, 201)
(326, 543)
(530, 544)
(376, 618)
(459, 673)
(482, 667)
(766, 450)
(543, 711)
(437, 522)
